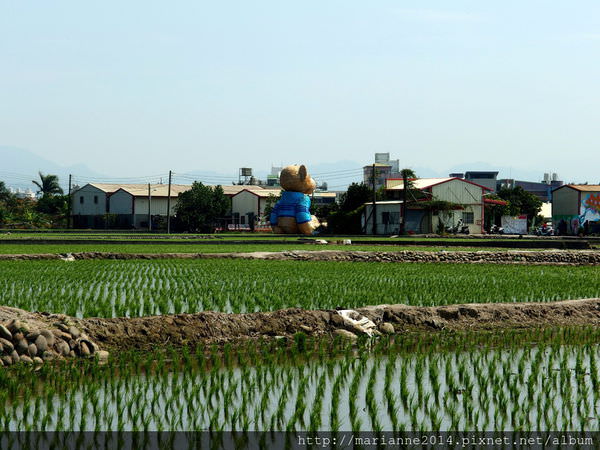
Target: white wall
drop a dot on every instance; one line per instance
(246, 202)
(94, 201)
(466, 194)
(158, 205)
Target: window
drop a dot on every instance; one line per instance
(96, 199)
(81, 199)
(242, 220)
(468, 217)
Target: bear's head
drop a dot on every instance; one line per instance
(297, 179)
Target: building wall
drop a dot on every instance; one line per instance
(574, 208)
(121, 202)
(382, 173)
(158, 206)
(388, 219)
(468, 195)
(245, 203)
(565, 202)
(487, 179)
(94, 201)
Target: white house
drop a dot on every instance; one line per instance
(250, 203)
(90, 204)
(130, 203)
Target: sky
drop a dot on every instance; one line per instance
(140, 87)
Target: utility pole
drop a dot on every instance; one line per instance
(404, 198)
(374, 209)
(70, 202)
(169, 205)
(149, 205)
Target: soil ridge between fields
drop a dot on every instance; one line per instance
(209, 327)
(546, 257)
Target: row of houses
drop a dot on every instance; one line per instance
(100, 205)
(575, 208)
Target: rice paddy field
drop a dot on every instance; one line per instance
(104, 288)
(533, 380)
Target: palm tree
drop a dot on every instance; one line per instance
(48, 184)
(408, 176)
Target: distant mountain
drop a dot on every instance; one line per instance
(19, 166)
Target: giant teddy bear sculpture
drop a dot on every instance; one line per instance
(291, 214)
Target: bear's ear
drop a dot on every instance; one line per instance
(302, 172)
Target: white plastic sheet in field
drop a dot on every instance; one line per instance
(353, 319)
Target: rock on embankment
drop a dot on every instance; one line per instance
(31, 341)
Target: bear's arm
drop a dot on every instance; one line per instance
(274, 214)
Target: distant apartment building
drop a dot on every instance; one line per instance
(22, 193)
(384, 168)
(542, 190)
(484, 178)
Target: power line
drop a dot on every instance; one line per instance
(335, 172)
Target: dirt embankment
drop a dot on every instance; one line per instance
(551, 257)
(211, 327)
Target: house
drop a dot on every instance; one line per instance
(90, 204)
(248, 204)
(574, 205)
(129, 204)
(466, 201)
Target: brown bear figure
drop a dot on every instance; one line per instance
(291, 214)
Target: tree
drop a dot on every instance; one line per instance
(408, 176)
(270, 204)
(5, 194)
(48, 184)
(199, 209)
(520, 202)
(53, 205)
(346, 219)
(357, 195)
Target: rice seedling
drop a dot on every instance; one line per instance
(527, 380)
(137, 287)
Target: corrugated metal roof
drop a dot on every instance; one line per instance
(156, 190)
(261, 192)
(234, 189)
(584, 187)
(161, 190)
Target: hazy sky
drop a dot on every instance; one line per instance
(140, 87)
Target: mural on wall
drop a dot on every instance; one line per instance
(590, 208)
